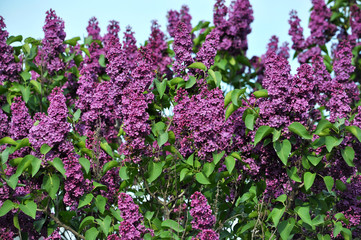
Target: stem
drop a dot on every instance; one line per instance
(66, 227)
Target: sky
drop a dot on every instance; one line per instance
(26, 17)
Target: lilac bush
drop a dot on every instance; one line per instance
(109, 138)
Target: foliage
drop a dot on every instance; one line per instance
(103, 139)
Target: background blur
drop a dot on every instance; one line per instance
(25, 17)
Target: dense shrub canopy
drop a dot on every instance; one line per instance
(103, 139)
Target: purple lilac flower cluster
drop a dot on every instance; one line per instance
(131, 228)
(52, 44)
(199, 123)
(202, 217)
(234, 31)
(9, 69)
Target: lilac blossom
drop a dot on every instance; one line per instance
(52, 44)
(9, 69)
(296, 31)
(21, 121)
(201, 212)
(182, 48)
(208, 51)
(93, 29)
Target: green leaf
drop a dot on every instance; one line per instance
(292, 173)
(105, 146)
(217, 157)
(5, 155)
(24, 164)
(161, 87)
(356, 131)
(202, 179)
(169, 223)
(37, 85)
(176, 81)
(248, 226)
(314, 160)
(262, 132)
(191, 81)
(348, 155)
(86, 221)
(300, 130)
(282, 198)
(35, 166)
(208, 168)
(13, 39)
(304, 213)
(230, 109)
(91, 234)
(51, 184)
(13, 181)
(263, 93)
(230, 163)
(85, 200)
(23, 143)
(110, 165)
(123, 173)
(322, 125)
(198, 65)
(328, 182)
(58, 165)
(6, 207)
(72, 41)
(249, 121)
(285, 228)
(227, 99)
(277, 214)
(45, 148)
(340, 185)
(7, 140)
(76, 115)
(283, 150)
(337, 229)
(158, 128)
(102, 60)
(100, 202)
(162, 139)
(346, 233)
(236, 93)
(16, 221)
(25, 76)
(29, 208)
(308, 179)
(85, 163)
(332, 142)
(105, 224)
(183, 173)
(155, 170)
(148, 215)
(276, 135)
(99, 185)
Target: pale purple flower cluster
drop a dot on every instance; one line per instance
(233, 31)
(296, 31)
(130, 49)
(112, 36)
(135, 117)
(21, 121)
(52, 44)
(51, 129)
(4, 125)
(208, 51)
(75, 185)
(182, 47)
(158, 47)
(9, 69)
(219, 13)
(131, 228)
(199, 123)
(207, 234)
(320, 24)
(355, 23)
(93, 29)
(174, 17)
(201, 212)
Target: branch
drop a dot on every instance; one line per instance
(66, 227)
